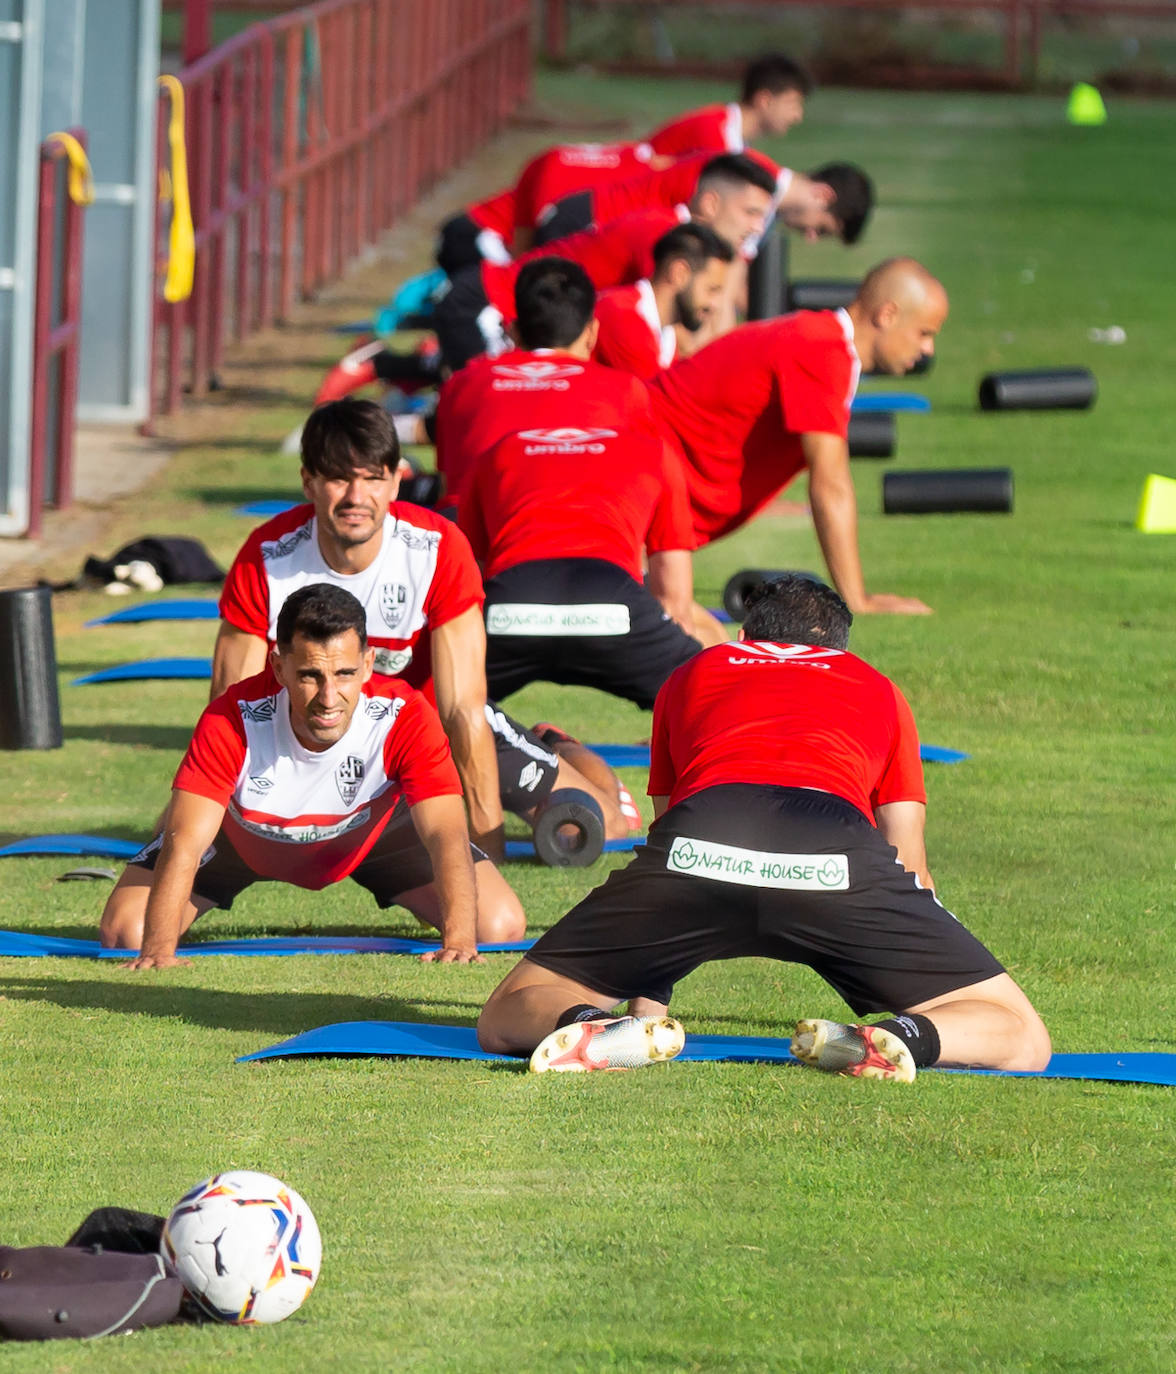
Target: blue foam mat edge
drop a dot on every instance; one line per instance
(150, 670)
(423, 1040)
(16, 944)
(193, 609)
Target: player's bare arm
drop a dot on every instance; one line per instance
(237, 655)
(671, 580)
(191, 825)
(459, 680)
(834, 508)
(902, 824)
(440, 822)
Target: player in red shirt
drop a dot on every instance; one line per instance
(560, 550)
(641, 326)
(414, 574)
(788, 791)
(750, 411)
(771, 102)
(309, 774)
(482, 232)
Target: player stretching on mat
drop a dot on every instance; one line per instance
(307, 774)
(785, 776)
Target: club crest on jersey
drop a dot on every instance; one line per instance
(348, 776)
(540, 375)
(260, 710)
(393, 603)
(763, 652)
(566, 440)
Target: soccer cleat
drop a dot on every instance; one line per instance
(629, 809)
(624, 1042)
(357, 369)
(860, 1051)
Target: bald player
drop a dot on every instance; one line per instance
(769, 400)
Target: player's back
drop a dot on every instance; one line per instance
(711, 129)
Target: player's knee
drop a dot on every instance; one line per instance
(121, 926)
(501, 919)
(491, 1029)
(1034, 1047)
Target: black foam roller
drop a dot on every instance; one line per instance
(1059, 388)
(820, 293)
(740, 583)
(766, 275)
(568, 806)
(954, 489)
(30, 709)
(872, 434)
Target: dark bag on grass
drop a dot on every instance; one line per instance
(109, 1278)
(173, 558)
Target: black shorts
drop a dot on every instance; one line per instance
(776, 872)
(594, 627)
(467, 325)
(397, 863)
(564, 217)
(526, 767)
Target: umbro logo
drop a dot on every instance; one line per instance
(761, 652)
(540, 375)
(566, 440)
(260, 783)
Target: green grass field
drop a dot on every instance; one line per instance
(722, 1217)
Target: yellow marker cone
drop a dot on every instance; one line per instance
(1085, 106)
(1157, 506)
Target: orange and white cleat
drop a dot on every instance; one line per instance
(859, 1051)
(356, 369)
(621, 1042)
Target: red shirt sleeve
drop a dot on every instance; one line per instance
(626, 342)
(815, 388)
(244, 599)
(457, 583)
(662, 774)
(416, 753)
(902, 778)
(672, 526)
(213, 762)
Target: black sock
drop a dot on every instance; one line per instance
(918, 1034)
(582, 1011)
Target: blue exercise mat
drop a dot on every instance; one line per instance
(524, 849)
(870, 402)
(407, 1038)
(150, 669)
(203, 609)
(72, 844)
(21, 944)
(278, 506)
(637, 755)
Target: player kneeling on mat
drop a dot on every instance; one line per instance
(307, 774)
(785, 776)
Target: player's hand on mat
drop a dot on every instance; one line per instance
(156, 961)
(886, 603)
(453, 954)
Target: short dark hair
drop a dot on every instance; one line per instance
(318, 612)
(735, 169)
(797, 610)
(554, 302)
(774, 73)
(695, 244)
(855, 196)
(341, 436)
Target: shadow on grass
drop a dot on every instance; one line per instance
(172, 738)
(279, 1013)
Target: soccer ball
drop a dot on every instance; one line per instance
(246, 1247)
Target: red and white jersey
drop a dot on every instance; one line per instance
(790, 715)
(423, 577)
(491, 398)
(649, 189)
(713, 129)
(611, 254)
(572, 492)
(574, 167)
(309, 817)
(496, 218)
(632, 337)
(738, 407)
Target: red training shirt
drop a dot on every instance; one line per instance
(737, 409)
(632, 337)
(713, 129)
(491, 398)
(574, 167)
(568, 492)
(309, 817)
(789, 715)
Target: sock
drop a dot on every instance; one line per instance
(917, 1033)
(582, 1011)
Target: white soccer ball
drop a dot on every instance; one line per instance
(246, 1247)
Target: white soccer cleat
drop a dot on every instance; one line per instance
(859, 1051)
(624, 1042)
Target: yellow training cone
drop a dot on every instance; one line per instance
(1086, 106)
(1157, 506)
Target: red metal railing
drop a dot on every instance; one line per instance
(307, 136)
(56, 328)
